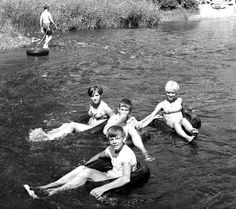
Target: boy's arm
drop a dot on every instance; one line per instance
(51, 20)
(41, 21)
(95, 157)
(112, 121)
(148, 119)
(109, 111)
(124, 179)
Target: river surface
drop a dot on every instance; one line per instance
(134, 63)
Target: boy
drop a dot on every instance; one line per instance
(45, 20)
(171, 109)
(99, 111)
(130, 124)
(123, 160)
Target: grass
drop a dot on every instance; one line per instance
(81, 14)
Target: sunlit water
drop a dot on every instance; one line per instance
(48, 91)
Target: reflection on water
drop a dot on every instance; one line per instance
(48, 91)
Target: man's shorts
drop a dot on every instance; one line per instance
(47, 29)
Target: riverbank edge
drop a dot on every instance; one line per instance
(20, 40)
(178, 15)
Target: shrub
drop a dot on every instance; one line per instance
(168, 4)
(174, 4)
(189, 4)
(81, 14)
(22, 14)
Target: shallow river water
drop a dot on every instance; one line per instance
(48, 91)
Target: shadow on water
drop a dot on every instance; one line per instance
(49, 91)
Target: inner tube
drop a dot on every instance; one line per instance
(139, 177)
(37, 52)
(95, 130)
(160, 124)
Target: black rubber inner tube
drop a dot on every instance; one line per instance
(138, 177)
(95, 130)
(37, 52)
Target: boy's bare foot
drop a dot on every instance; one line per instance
(30, 192)
(194, 131)
(38, 135)
(148, 157)
(192, 138)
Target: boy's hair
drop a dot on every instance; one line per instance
(126, 103)
(172, 86)
(46, 6)
(93, 89)
(114, 131)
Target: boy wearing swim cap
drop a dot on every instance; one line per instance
(130, 124)
(45, 21)
(123, 161)
(171, 109)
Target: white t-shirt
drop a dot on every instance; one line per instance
(126, 155)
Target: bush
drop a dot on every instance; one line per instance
(174, 4)
(189, 4)
(23, 14)
(95, 14)
(169, 4)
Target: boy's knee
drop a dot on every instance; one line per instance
(71, 124)
(81, 167)
(85, 171)
(176, 125)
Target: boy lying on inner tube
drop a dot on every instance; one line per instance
(123, 160)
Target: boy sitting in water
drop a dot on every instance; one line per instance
(123, 161)
(99, 111)
(130, 124)
(171, 109)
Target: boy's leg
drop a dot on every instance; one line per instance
(64, 179)
(136, 138)
(47, 40)
(80, 126)
(60, 132)
(137, 141)
(188, 126)
(179, 130)
(80, 179)
(66, 129)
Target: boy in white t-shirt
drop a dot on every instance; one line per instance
(123, 161)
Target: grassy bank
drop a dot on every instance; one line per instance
(21, 17)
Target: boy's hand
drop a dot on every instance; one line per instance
(42, 31)
(138, 126)
(123, 117)
(97, 192)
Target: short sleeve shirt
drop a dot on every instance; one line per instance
(126, 155)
